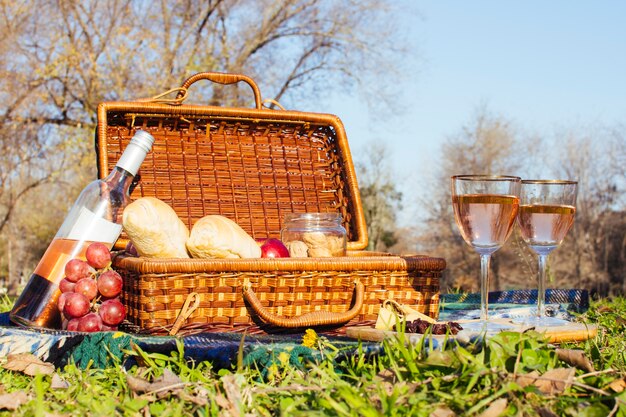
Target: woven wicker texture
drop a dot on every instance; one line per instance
(156, 290)
(254, 166)
(251, 165)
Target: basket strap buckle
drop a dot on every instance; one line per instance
(185, 312)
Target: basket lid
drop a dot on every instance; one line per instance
(252, 165)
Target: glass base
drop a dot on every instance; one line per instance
(540, 321)
(485, 326)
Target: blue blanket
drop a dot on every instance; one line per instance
(107, 348)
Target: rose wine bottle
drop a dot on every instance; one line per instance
(96, 216)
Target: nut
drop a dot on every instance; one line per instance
(297, 249)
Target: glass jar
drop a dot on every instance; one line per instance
(314, 235)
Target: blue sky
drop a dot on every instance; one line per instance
(541, 64)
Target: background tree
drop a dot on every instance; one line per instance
(488, 144)
(380, 197)
(60, 58)
(55, 70)
(593, 254)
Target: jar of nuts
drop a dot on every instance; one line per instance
(314, 235)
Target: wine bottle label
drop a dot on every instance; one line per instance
(89, 227)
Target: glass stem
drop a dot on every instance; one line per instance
(541, 291)
(484, 286)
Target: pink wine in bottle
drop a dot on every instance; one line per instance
(95, 217)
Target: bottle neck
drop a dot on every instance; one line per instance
(119, 179)
(133, 156)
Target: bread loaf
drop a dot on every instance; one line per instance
(155, 229)
(216, 236)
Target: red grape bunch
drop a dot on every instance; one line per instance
(89, 300)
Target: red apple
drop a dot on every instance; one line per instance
(274, 248)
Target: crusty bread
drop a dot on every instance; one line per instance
(216, 236)
(155, 229)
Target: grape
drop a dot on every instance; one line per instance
(66, 285)
(110, 284)
(90, 323)
(61, 301)
(87, 287)
(76, 305)
(72, 325)
(112, 312)
(98, 255)
(76, 269)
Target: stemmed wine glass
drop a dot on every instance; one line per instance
(485, 208)
(546, 213)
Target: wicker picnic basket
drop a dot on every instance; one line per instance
(253, 165)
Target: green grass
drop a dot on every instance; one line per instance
(407, 380)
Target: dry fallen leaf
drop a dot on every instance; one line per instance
(137, 384)
(575, 358)
(58, 382)
(199, 397)
(168, 383)
(527, 379)
(387, 380)
(387, 375)
(496, 408)
(221, 401)
(618, 385)
(233, 394)
(13, 400)
(28, 364)
(555, 381)
(544, 412)
(442, 411)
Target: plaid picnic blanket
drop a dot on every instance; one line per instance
(103, 349)
(560, 303)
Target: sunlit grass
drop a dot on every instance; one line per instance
(407, 380)
(6, 303)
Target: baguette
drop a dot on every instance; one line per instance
(155, 229)
(216, 236)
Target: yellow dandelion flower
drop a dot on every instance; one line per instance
(283, 358)
(310, 338)
(272, 372)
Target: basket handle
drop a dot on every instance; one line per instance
(314, 318)
(224, 78)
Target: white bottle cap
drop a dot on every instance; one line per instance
(136, 152)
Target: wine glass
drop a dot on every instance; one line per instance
(546, 213)
(485, 208)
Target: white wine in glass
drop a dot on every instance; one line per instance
(485, 208)
(546, 214)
